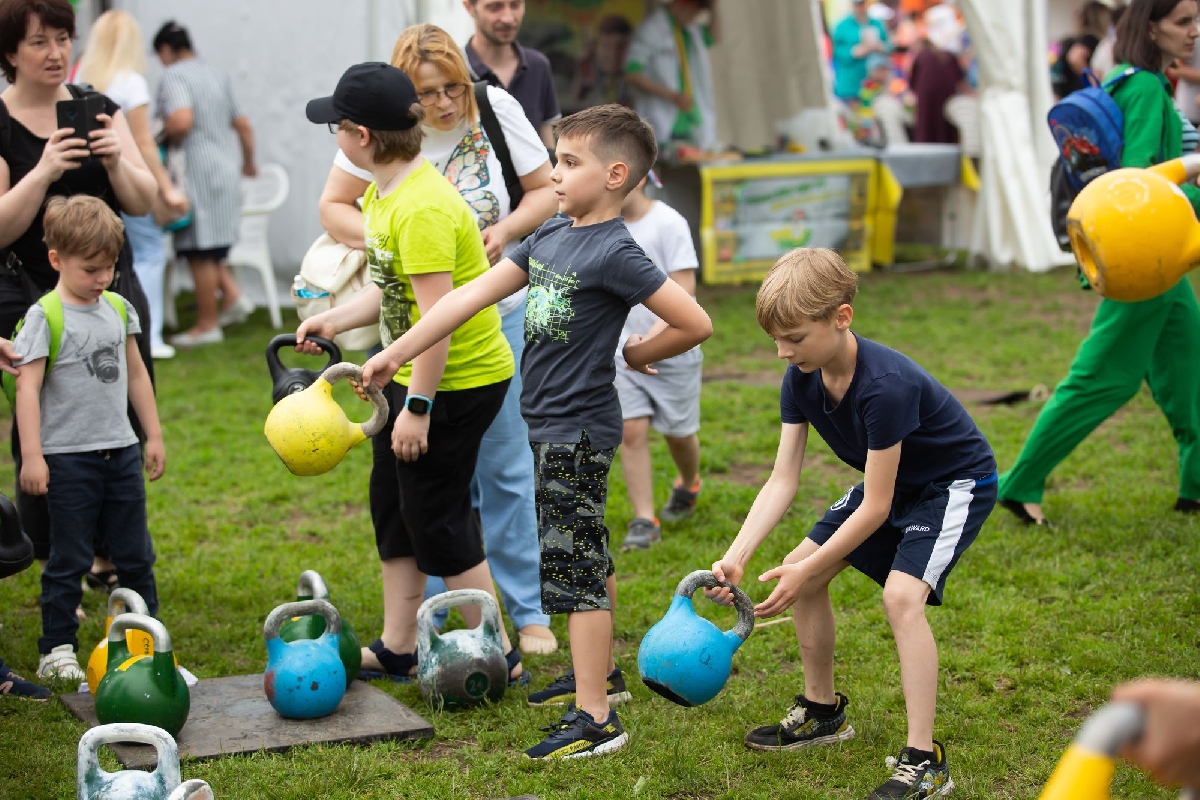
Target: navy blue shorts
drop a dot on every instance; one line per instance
(925, 534)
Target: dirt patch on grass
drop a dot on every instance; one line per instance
(1082, 712)
(762, 377)
(745, 474)
(438, 749)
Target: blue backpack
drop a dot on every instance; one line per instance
(1088, 129)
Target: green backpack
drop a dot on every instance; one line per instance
(52, 307)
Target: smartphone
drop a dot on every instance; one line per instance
(79, 114)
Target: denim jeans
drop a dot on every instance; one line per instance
(503, 491)
(96, 492)
(150, 264)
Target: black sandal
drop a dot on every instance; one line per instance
(513, 657)
(1018, 509)
(1187, 506)
(396, 666)
(103, 581)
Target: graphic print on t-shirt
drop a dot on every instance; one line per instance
(103, 360)
(548, 308)
(467, 171)
(395, 316)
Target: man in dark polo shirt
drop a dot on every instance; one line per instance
(497, 58)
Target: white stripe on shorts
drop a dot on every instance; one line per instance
(953, 522)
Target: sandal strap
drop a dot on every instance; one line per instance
(394, 664)
(512, 657)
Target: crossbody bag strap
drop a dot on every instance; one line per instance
(495, 134)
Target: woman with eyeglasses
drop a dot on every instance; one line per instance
(457, 145)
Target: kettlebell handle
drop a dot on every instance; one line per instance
(289, 340)
(127, 599)
(703, 578)
(490, 612)
(283, 613)
(140, 622)
(1111, 727)
(311, 584)
(379, 416)
(195, 789)
(1179, 170)
(168, 755)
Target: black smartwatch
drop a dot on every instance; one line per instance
(418, 404)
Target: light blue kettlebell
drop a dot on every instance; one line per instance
(686, 658)
(93, 783)
(304, 679)
(465, 667)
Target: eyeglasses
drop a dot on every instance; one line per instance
(333, 126)
(452, 90)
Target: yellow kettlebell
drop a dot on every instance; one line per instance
(1134, 232)
(310, 432)
(120, 601)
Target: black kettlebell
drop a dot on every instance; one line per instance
(16, 551)
(289, 381)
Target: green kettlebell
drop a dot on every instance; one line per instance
(311, 586)
(142, 688)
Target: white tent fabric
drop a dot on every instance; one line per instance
(1012, 216)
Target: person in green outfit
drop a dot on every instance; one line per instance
(1156, 340)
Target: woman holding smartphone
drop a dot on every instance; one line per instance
(40, 160)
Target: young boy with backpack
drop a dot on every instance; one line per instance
(80, 372)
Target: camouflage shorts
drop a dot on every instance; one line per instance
(572, 491)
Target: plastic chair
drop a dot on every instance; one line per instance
(260, 196)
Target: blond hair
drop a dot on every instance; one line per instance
(809, 283)
(114, 46)
(82, 226)
(429, 44)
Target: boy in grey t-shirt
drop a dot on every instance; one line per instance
(584, 274)
(77, 446)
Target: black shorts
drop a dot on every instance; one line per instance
(209, 254)
(422, 509)
(925, 534)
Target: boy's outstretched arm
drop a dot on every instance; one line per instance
(769, 507)
(879, 487)
(444, 318)
(35, 475)
(687, 326)
(141, 397)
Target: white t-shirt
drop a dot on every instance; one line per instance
(129, 91)
(466, 157)
(664, 235)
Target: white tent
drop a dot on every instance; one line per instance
(281, 53)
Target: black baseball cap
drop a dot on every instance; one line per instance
(372, 94)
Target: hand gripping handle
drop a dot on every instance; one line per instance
(379, 416)
(741, 601)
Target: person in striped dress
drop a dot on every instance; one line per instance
(201, 116)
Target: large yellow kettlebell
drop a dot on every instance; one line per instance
(1134, 232)
(310, 432)
(138, 641)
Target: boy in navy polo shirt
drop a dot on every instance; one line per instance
(929, 484)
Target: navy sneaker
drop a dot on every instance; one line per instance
(915, 778)
(562, 691)
(13, 685)
(799, 728)
(681, 503)
(577, 735)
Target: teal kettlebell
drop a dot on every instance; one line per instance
(684, 657)
(93, 783)
(465, 667)
(311, 586)
(144, 688)
(304, 679)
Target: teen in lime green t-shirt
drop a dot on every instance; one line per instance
(425, 226)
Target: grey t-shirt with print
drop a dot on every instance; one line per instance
(582, 283)
(85, 397)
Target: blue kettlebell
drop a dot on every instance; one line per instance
(304, 679)
(686, 658)
(93, 783)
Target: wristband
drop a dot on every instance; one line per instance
(418, 404)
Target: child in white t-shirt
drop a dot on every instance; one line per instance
(668, 401)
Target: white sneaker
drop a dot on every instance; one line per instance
(161, 351)
(60, 663)
(241, 309)
(198, 338)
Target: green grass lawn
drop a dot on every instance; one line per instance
(1037, 626)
